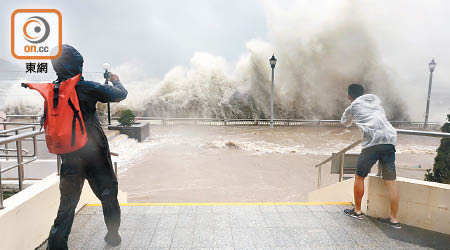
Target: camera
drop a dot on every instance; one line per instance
(107, 74)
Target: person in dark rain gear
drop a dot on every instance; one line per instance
(91, 162)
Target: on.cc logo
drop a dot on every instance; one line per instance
(36, 34)
(36, 29)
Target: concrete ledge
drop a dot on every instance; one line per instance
(422, 204)
(27, 217)
(14, 185)
(338, 192)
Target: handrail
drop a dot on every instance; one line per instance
(15, 166)
(20, 137)
(7, 116)
(33, 117)
(255, 119)
(15, 129)
(19, 123)
(20, 163)
(34, 139)
(245, 119)
(342, 152)
(12, 150)
(263, 122)
(356, 143)
(168, 121)
(423, 133)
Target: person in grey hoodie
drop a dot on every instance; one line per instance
(378, 144)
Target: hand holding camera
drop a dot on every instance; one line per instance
(113, 77)
(108, 75)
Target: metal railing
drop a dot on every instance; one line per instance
(24, 152)
(423, 133)
(18, 138)
(34, 118)
(5, 133)
(18, 124)
(15, 124)
(167, 121)
(341, 153)
(266, 122)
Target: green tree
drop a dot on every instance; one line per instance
(441, 167)
(127, 118)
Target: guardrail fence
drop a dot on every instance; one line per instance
(266, 122)
(164, 121)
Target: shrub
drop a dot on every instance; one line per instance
(127, 118)
(441, 167)
(7, 194)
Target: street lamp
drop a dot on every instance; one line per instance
(273, 62)
(106, 76)
(431, 65)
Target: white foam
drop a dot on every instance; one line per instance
(130, 151)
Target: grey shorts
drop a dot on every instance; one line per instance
(384, 153)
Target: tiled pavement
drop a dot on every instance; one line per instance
(246, 227)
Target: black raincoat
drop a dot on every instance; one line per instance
(93, 161)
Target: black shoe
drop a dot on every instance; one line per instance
(353, 214)
(388, 222)
(113, 239)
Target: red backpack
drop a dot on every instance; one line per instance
(65, 131)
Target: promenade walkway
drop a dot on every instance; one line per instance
(246, 226)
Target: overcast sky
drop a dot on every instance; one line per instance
(158, 35)
(155, 34)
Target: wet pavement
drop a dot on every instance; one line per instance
(246, 227)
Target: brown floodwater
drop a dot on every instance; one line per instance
(244, 164)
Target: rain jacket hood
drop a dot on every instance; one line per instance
(68, 64)
(368, 114)
(368, 101)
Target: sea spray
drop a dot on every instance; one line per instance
(318, 57)
(321, 47)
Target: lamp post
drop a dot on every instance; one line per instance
(106, 76)
(431, 65)
(273, 62)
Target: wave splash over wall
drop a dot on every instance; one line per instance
(320, 52)
(321, 47)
